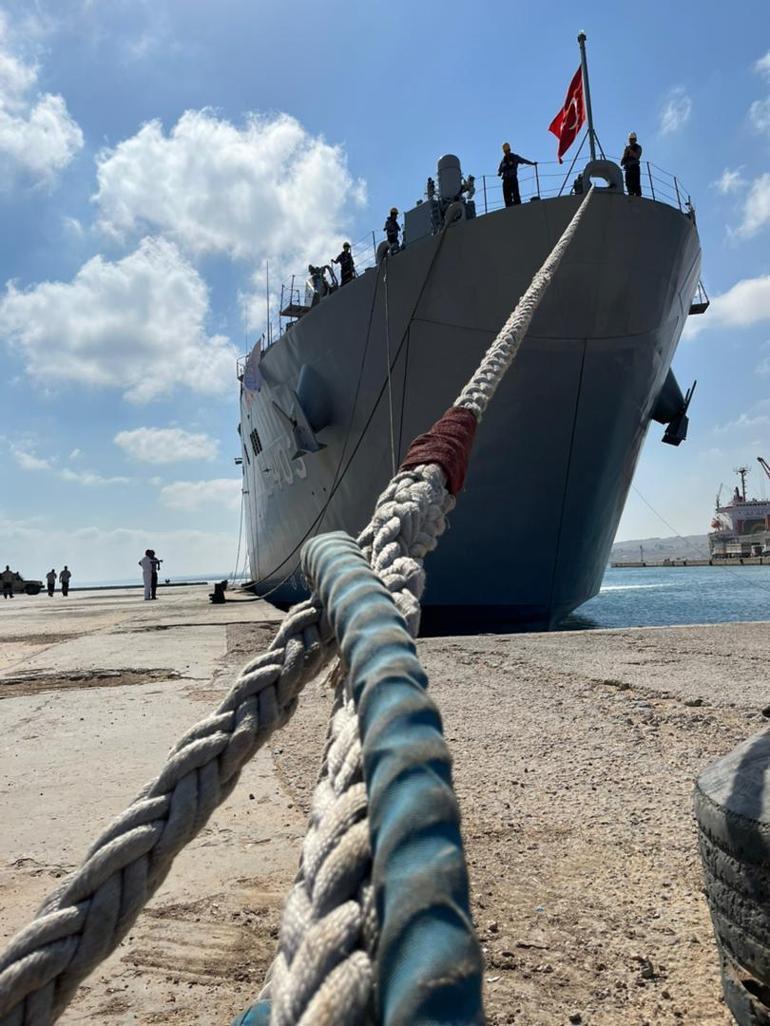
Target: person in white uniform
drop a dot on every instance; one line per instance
(146, 563)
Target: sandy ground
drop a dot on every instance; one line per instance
(574, 760)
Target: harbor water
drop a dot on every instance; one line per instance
(666, 596)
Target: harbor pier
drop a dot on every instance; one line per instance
(574, 755)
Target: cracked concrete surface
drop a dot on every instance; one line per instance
(575, 755)
(574, 761)
(94, 698)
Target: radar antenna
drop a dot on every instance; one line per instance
(742, 472)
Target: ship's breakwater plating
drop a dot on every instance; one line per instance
(87, 916)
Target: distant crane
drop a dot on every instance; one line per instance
(763, 465)
(716, 523)
(742, 472)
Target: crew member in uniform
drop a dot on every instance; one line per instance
(51, 581)
(347, 267)
(7, 578)
(392, 230)
(509, 172)
(154, 577)
(64, 580)
(631, 161)
(318, 282)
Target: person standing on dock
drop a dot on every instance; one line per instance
(146, 563)
(51, 579)
(7, 578)
(155, 568)
(392, 230)
(347, 267)
(64, 580)
(509, 172)
(632, 162)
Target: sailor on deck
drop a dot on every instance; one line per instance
(509, 172)
(318, 282)
(392, 230)
(347, 267)
(631, 161)
(51, 582)
(7, 578)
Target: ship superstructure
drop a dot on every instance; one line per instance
(328, 410)
(741, 527)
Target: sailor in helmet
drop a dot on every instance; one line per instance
(347, 267)
(392, 230)
(631, 161)
(317, 282)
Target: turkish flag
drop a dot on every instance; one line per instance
(568, 122)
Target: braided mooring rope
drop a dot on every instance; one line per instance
(396, 542)
(85, 919)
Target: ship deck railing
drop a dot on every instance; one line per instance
(548, 180)
(542, 181)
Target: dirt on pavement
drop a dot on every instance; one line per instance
(575, 788)
(574, 761)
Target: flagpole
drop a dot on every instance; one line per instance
(589, 115)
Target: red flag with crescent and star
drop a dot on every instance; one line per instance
(568, 122)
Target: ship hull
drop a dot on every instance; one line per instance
(555, 454)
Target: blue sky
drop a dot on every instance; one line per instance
(153, 155)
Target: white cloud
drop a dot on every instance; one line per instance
(28, 460)
(166, 445)
(73, 226)
(759, 115)
(192, 495)
(743, 422)
(729, 181)
(745, 304)
(756, 207)
(268, 189)
(136, 324)
(676, 111)
(89, 478)
(75, 454)
(16, 77)
(762, 66)
(37, 132)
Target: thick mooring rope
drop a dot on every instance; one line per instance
(396, 521)
(429, 963)
(85, 919)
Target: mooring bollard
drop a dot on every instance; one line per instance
(732, 808)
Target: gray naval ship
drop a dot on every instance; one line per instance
(329, 408)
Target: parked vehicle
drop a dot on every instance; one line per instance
(22, 586)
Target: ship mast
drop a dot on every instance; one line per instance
(742, 472)
(587, 91)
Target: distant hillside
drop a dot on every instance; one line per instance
(689, 546)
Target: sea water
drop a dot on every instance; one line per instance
(664, 596)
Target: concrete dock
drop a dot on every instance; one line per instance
(574, 760)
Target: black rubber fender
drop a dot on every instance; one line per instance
(732, 809)
(732, 802)
(746, 998)
(728, 869)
